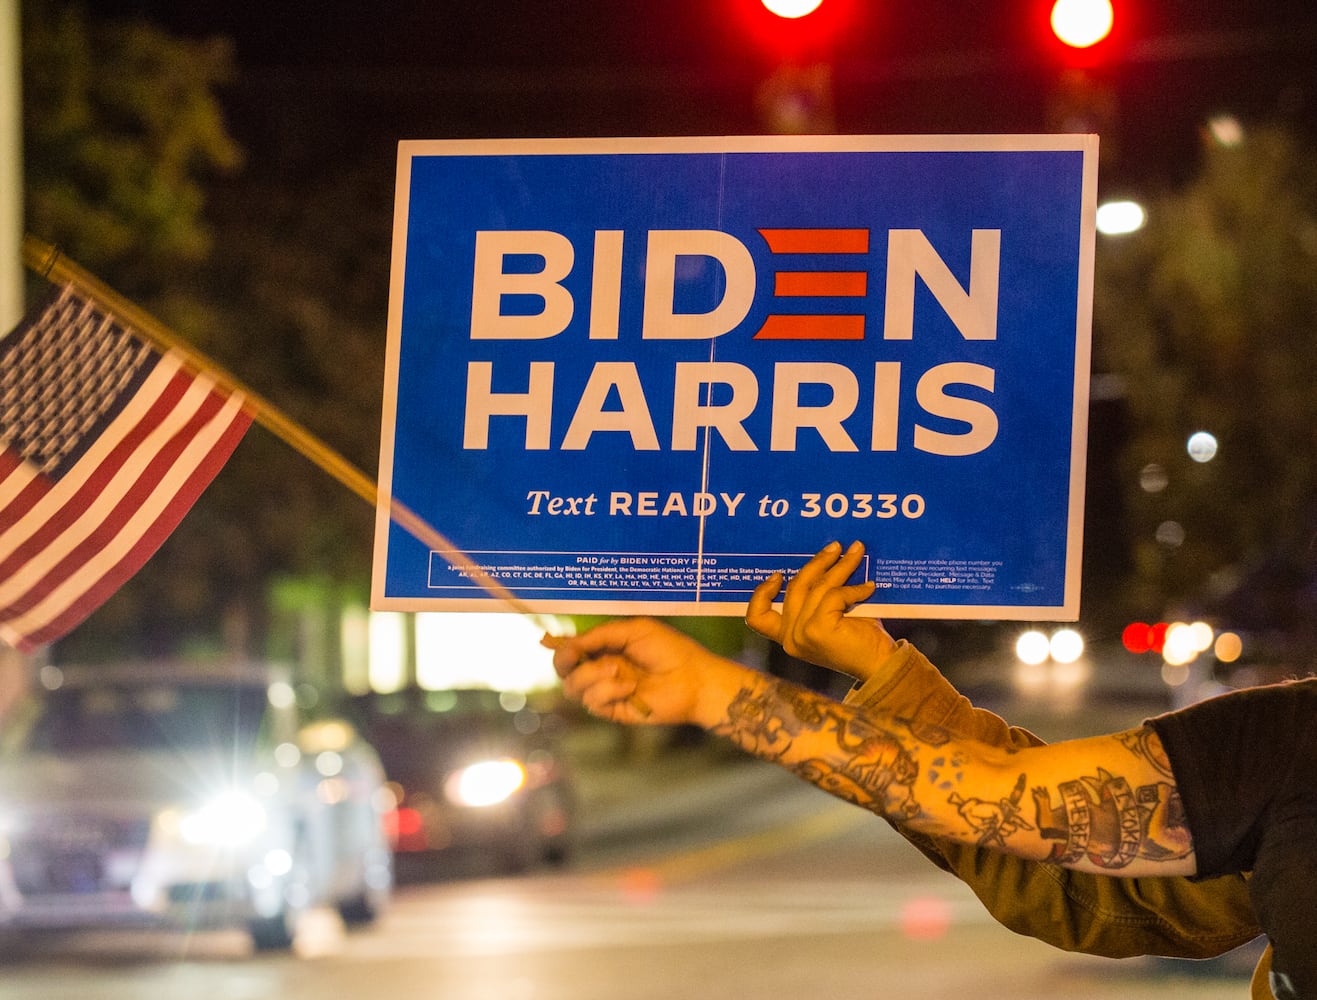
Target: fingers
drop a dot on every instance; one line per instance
(819, 564)
(759, 613)
(857, 593)
(820, 583)
(827, 571)
(608, 637)
(603, 673)
(566, 654)
(601, 685)
(832, 567)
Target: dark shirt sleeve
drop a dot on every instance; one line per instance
(1234, 757)
(1076, 911)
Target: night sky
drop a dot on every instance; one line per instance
(355, 77)
(324, 89)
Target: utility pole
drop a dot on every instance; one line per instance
(13, 664)
(11, 168)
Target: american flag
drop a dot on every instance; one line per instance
(105, 443)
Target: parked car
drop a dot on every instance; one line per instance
(471, 770)
(162, 795)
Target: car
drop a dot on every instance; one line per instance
(473, 771)
(159, 794)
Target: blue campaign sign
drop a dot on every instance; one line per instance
(641, 375)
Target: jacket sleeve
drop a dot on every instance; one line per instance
(1076, 911)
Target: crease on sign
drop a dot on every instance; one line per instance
(707, 400)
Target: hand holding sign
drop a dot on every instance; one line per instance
(638, 670)
(813, 623)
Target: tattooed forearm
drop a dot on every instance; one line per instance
(918, 775)
(993, 822)
(827, 744)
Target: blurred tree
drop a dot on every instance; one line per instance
(121, 129)
(126, 153)
(299, 295)
(280, 275)
(1208, 316)
(123, 132)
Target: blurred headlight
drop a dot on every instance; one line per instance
(228, 820)
(485, 784)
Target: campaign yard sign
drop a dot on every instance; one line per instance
(641, 375)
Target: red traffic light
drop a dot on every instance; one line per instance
(792, 8)
(792, 30)
(1140, 637)
(1081, 23)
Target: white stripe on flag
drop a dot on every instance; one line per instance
(193, 456)
(123, 480)
(122, 425)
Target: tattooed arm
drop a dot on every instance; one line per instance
(1105, 804)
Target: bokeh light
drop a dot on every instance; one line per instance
(1202, 446)
(1185, 641)
(1226, 130)
(1174, 674)
(925, 918)
(1170, 534)
(1120, 218)
(1066, 645)
(1032, 647)
(1228, 647)
(792, 8)
(1082, 23)
(1153, 478)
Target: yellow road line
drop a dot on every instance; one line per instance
(698, 862)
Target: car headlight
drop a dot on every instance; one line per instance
(228, 820)
(8, 826)
(485, 784)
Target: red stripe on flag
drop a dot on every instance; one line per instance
(27, 496)
(10, 461)
(99, 477)
(812, 283)
(116, 520)
(812, 328)
(816, 240)
(150, 541)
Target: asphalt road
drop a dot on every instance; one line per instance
(785, 893)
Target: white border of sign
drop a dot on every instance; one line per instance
(1085, 144)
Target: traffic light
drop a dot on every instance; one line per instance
(792, 30)
(1140, 637)
(796, 39)
(1082, 24)
(792, 8)
(1082, 33)
(1083, 98)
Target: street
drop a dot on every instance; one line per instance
(820, 901)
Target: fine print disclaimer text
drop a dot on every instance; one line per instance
(731, 574)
